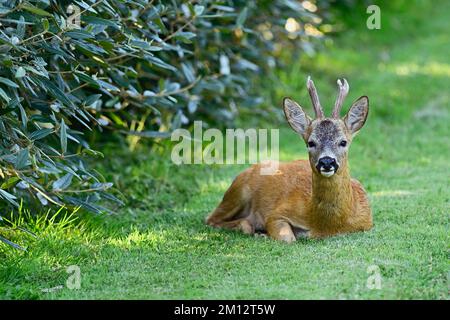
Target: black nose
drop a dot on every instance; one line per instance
(327, 163)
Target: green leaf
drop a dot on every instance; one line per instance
(63, 136)
(35, 71)
(10, 182)
(198, 9)
(79, 34)
(12, 244)
(56, 92)
(242, 17)
(88, 48)
(20, 72)
(148, 134)
(224, 8)
(4, 95)
(86, 6)
(87, 205)
(100, 21)
(185, 36)
(8, 82)
(36, 10)
(107, 86)
(8, 197)
(20, 32)
(23, 116)
(45, 24)
(93, 153)
(160, 63)
(56, 51)
(63, 182)
(188, 72)
(21, 159)
(141, 44)
(91, 99)
(101, 186)
(176, 122)
(87, 78)
(106, 45)
(40, 133)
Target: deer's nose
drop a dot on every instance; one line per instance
(327, 164)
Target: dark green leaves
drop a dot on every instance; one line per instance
(100, 21)
(79, 34)
(45, 24)
(56, 92)
(40, 134)
(135, 68)
(10, 243)
(198, 10)
(242, 17)
(63, 136)
(8, 82)
(4, 96)
(160, 63)
(20, 72)
(21, 159)
(8, 197)
(63, 182)
(36, 10)
(185, 36)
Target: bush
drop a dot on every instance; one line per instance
(140, 68)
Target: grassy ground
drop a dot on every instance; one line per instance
(157, 246)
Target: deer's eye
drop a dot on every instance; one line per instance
(311, 144)
(343, 143)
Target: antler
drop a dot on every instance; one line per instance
(314, 98)
(343, 91)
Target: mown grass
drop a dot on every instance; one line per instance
(158, 247)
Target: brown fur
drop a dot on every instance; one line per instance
(298, 200)
(294, 198)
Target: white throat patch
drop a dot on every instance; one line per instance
(327, 174)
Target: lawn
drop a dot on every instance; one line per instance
(157, 247)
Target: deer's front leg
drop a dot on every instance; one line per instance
(279, 229)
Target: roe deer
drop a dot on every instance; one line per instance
(315, 200)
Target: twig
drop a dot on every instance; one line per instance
(165, 94)
(90, 7)
(81, 191)
(179, 29)
(46, 196)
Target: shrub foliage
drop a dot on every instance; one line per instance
(139, 68)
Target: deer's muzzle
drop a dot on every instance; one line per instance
(327, 166)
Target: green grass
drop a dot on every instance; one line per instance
(157, 246)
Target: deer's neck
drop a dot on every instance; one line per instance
(332, 198)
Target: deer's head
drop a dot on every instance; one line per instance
(327, 139)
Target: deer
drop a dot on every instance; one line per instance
(313, 198)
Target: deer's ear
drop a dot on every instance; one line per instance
(357, 115)
(297, 118)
